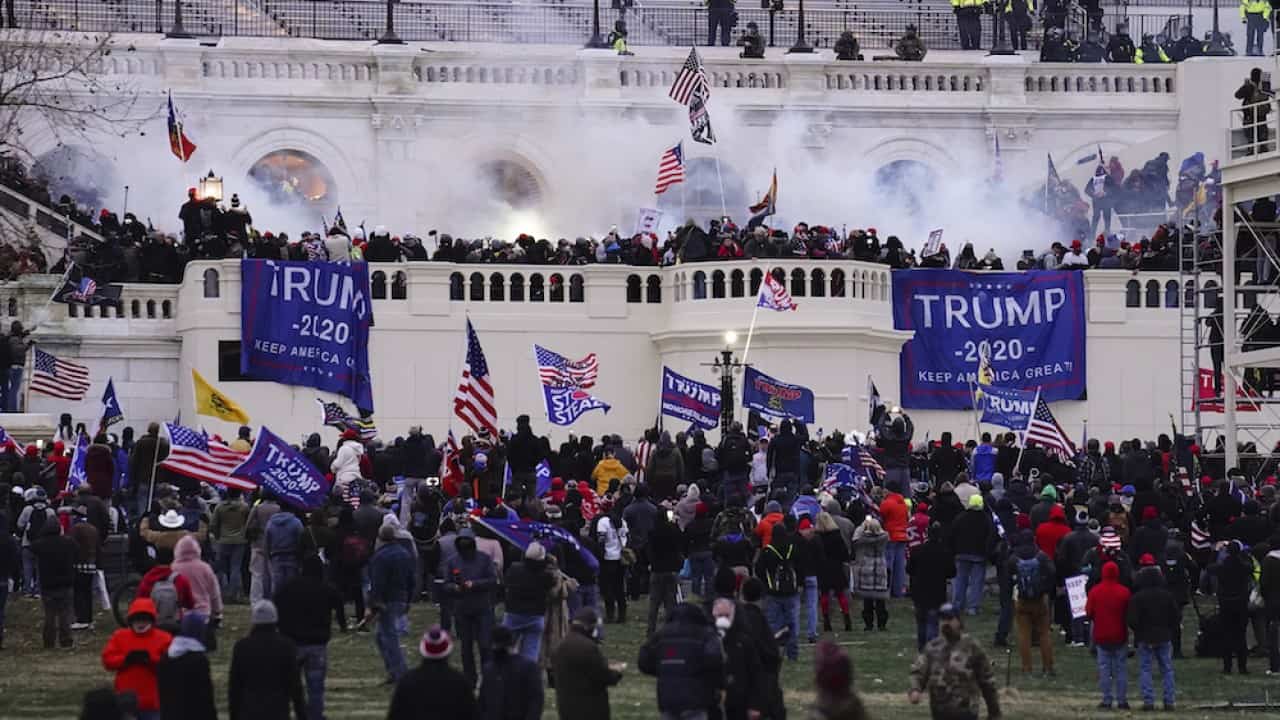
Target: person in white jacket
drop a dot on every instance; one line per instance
(346, 462)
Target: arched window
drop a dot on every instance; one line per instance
(1133, 294)
(12, 305)
(455, 287)
(577, 288)
(517, 287)
(837, 283)
(536, 291)
(477, 287)
(653, 294)
(1189, 296)
(73, 310)
(737, 282)
(699, 285)
(817, 283)
(1211, 294)
(757, 277)
(1153, 294)
(399, 286)
(717, 284)
(211, 287)
(166, 309)
(135, 309)
(151, 310)
(557, 287)
(1171, 294)
(633, 289)
(378, 285)
(497, 287)
(797, 283)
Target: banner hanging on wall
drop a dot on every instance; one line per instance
(307, 323)
(1031, 324)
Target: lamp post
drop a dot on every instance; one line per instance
(725, 365)
(1216, 48)
(801, 46)
(178, 31)
(211, 187)
(595, 42)
(1001, 27)
(389, 36)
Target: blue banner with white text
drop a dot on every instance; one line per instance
(690, 400)
(1030, 324)
(307, 323)
(287, 473)
(1006, 407)
(773, 398)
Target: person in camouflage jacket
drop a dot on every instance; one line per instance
(953, 669)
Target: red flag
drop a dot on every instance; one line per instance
(179, 144)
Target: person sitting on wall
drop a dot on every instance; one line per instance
(751, 43)
(847, 47)
(910, 46)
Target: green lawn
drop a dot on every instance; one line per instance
(37, 683)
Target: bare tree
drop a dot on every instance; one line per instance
(58, 89)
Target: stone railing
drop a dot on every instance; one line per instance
(144, 307)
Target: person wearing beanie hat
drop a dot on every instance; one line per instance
(1040, 511)
(1070, 561)
(582, 673)
(528, 584)
(972, 535)
(133, 652)
(264, 670)
(772, 516)
(833, 679)
(183, 677)
(954, 671)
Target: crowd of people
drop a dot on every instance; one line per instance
(763, 551)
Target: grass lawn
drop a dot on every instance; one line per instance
(37, 683)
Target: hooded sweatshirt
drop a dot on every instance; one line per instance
(138, 678)
(1107, 605)
(346, 463)
(1050, 533)
(283, 536)
(205, 590)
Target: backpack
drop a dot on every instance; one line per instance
(1029, 586)
(164, 593)
(355, 550)
(782, 581)
(35, 523)
(731, 521)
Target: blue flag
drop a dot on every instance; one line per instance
(806, 505)
(1007, 407)
(111, 412)
(284, 471)
(565, 405)
(690, 400)
(774, 398)
(77, 475)
(543, 475)
(522, 532)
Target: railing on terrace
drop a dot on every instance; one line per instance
(1252, 129)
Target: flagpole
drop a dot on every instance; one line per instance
(977, 412)
(28, 364)
(746, 349)
(720, 180)
(1017, 466)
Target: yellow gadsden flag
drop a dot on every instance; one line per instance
(209, 401)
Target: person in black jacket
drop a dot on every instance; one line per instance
(55, 560)
(744, 672)
(433, 684)
(511, 688)
(666, 556)
(1154, 616)
(185, 685)
(1232, 575)
(972, 537)
(524, 452)
(528, 583)
(263, 682)
(307, 604)
(10, 566)
(929, 567)
(687, 659)
(784, 459)
(756, 625)
(945, 461)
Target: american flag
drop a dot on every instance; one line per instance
(7, 441)
(473, 403)
(85, 290)
(558, 371)
(774, 295)
(333, 415)
(195, 455)
(691, 78)
(1045, 430)
(670, 169)
(59, 378)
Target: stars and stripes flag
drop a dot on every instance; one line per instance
(195, 455)
(774, 296)
(8, 441)
(555, 370)
(59, 378)
(863, 461)
(670, 169)
(690, 81)
(1044, 429)
(474, 402)
(332, 414)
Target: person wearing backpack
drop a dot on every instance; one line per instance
(686, 658)
(734, 459)
(170, 594)
(1033, 574)
(776, 567)
(31, 522)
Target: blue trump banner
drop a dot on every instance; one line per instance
(284, 471)
(522, 532)
(307, 323)
(1030, 324)
(774, 398)
(1006, 407)
(565, 405)
(542, 473)
(77, 475)
(690, 400)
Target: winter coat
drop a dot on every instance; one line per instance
(666, 471)
(929, 567)
(745, 680)
(511, 689)
(306, 606)
(346, 463)
(1107, 605)
(527, 583)
(264, 680)
(833, 576)
(228, 523)
(147, 451)
(391, 574)
(205, 590)
(185, 685)
(583, 678)
(1269, 583)
(1153, 614)
(256, 525)
(686, 658)
(605, 472)
(1050, 533)
(870, 574)
(55, 558)
(100, 469)
(972, 533)
(131, 676)
(283, 536)
(894, 514)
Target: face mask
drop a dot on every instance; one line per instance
(723, 623)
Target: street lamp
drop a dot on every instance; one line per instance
(389, 36)
(178, 31)
(1002, 30)
(725, 365)
(211, 187)
(801, 46)
(596, 42)
(1216, 48)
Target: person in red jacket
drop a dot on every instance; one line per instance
(894, 515)
(772, 516)
(1048, 535)
(133, 653)
(1106, 606)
